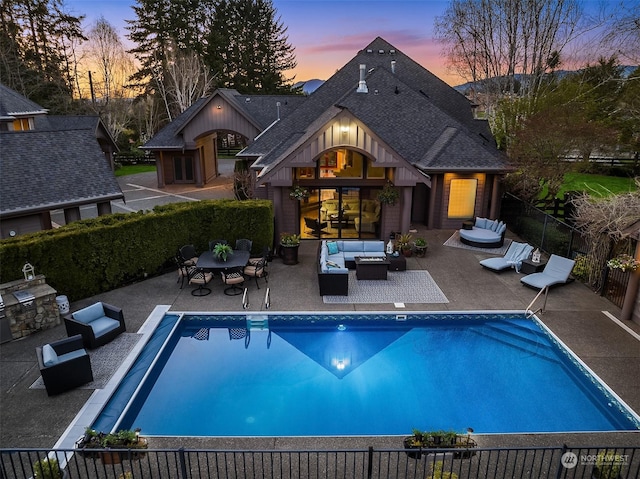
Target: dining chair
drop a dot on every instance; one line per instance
(234, 278)
(200, 277)
(258, 270)
(183, 269)
(188, 254)
(244, 244)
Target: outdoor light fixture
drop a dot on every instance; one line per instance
(219, 107)
(344, 125)
(341, 327)
(28, 271)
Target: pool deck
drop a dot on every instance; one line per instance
(29, 418)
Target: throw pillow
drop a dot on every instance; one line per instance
(332, 246)
(49, 356)
(331, 264)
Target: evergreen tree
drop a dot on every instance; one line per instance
(248, 48)
(36, 61)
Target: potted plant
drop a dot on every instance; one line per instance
(297, 192)
(222, 251)
(403, 243)
(608, 465)
(417, 440)
(47, 468)
(289, 244)
(122, 439)
(420, 245)
(388, 195)
(439, 474)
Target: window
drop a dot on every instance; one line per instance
(21, 124)
(462, 198)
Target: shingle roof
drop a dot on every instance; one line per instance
(43, 170)
(260, 110)
(12, 104)
(407, 107)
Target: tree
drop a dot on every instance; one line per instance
(495, 41)
(623, 32)
(248, 47)
(36, 60)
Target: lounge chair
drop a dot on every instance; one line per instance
(556, 272)
(513, 258)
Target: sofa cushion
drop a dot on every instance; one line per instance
(481, 222)
(373, 246)
(103, 325)
(49, 356)
(332, 247)
(501, 228)
(89, 314)
(352, 246)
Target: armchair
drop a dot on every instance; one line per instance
(64, 365)
(315, 226)
(98, 324)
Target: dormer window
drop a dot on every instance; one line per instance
(22, 124)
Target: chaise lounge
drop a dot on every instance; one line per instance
(516, 253)
(556, 272)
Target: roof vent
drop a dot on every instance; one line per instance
(369, 50)
(381, 52)
(247, 100)
(392, 52)
(362, 84)
(393, 66)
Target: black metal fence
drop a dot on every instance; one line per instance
(549, 462)
(540, 229)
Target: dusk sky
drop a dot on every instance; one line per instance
(328, 33)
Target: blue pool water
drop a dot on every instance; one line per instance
(361, 375)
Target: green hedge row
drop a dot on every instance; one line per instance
(91, 256)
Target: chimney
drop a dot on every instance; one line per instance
(362, 84)
(393, 66)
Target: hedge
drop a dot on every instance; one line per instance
(92, 256)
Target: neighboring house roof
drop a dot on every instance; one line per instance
(92, 123)
(258, 110)
(13, 105)
(422, 118)
(44, 170)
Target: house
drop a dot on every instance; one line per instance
(186, 150)
(49, 163)
(380, 121)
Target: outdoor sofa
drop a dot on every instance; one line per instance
(485, 233)
(335, 258)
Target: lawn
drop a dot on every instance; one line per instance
(133, 169)
(597, 185)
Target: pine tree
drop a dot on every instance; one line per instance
(248, 47)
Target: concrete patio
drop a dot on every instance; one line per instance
(29, 418)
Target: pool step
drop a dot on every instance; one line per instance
(258, 322)
(525, 339)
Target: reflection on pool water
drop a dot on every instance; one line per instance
(359, 374)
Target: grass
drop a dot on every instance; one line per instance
(134, 169)
(597, 185)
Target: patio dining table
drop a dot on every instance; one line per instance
(237, 259)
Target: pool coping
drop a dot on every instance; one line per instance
(99, 398)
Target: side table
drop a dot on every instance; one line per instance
(397, 263)
(467, 225)
(529, 266)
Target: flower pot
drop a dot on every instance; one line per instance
(289, 254)
(421, 251)
(414, 452)
(407, 252)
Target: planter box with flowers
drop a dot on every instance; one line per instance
(126, 444)
(624, 262)
(424, 442)
(297, 192)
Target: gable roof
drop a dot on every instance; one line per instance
(13, 105)
(44, 170)
(258, 110)
(422, 118)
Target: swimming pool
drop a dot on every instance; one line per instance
(359, 374)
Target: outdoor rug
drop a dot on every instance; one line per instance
(400, 287)
(455, 242)
(105, 360)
